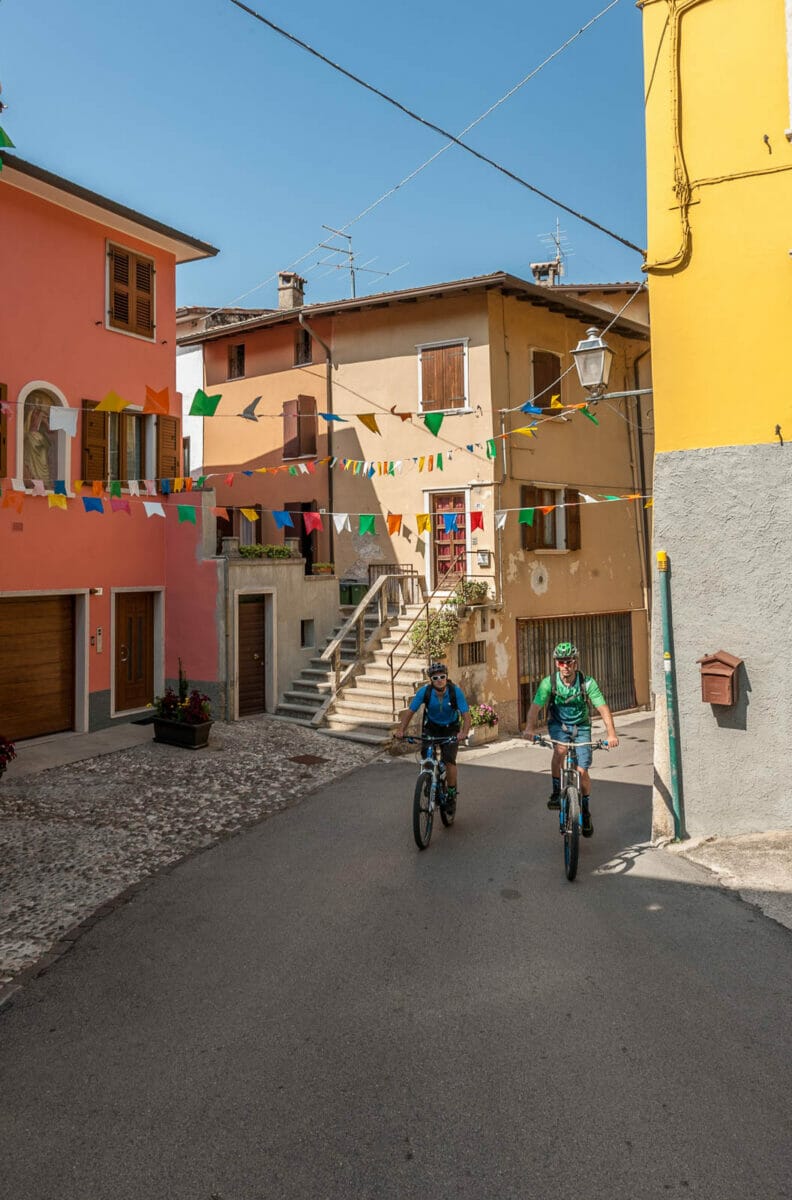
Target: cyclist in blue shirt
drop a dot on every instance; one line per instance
(446, 714)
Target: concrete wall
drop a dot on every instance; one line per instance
(723, 516)
(295, 597)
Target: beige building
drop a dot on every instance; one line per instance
(472, 351)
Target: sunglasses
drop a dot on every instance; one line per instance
(565, 661)
(434, 677)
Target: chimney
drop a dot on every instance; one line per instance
(291, 289)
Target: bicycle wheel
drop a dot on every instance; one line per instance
(446, 817)
(422, 810)
(571, 832)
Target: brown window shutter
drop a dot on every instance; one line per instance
(144, 296)
(168, 446)
(529, 498)
(120, 297)
(443, 377)
(306, 407)
(3, 433)
(291, 431)
(546, 377)
(94, 442)
(572, 498)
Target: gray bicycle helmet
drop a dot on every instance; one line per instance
(436, 668)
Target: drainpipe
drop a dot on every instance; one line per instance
(641, 462)
(670, 685)
(329, 390)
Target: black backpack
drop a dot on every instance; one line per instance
(582, 682)
(452, 694)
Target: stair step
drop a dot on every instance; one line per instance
(372, 725)
(312, 687)
(286, 709)
(379, 710)
(353, 735)
(286, 717)
(305, 699)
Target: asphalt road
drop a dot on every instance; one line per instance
(315, 1009)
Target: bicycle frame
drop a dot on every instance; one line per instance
(430, 789)
(570, 817)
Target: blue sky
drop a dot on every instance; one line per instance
(194, 113)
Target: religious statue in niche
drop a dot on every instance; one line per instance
(41, 442)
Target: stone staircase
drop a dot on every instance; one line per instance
(361, 711)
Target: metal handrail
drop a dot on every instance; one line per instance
(419, 616)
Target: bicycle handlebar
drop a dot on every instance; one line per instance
(548, 743)
(438, 741)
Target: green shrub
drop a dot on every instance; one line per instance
(471, 591)
(432, 638)
(259, 551)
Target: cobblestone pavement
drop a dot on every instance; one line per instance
(73, 837)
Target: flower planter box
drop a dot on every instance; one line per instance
(480, 734)
(181, 733)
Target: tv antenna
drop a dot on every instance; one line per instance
(350, 264)
(551, 269)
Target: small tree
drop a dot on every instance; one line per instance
(431, 638)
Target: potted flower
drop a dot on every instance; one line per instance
(470, 592)
(182, 718)
(484, 723)
(7, 752)
(322, 568)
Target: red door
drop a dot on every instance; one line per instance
(448, 546)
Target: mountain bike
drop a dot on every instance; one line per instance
(430, 790)
(571, 815)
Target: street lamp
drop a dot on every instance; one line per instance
(593, 358)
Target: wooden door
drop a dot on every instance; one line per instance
(251, 665)
(448, 548)
(134, 650)
(37, 678)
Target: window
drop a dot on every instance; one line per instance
(119, 445)
(559, 527)
(299, 427)
(443, 376)
(307, 636)
(236, 361)
(186, 464)
(130, 292)
(545, 376)
(303, 348)
(249, 532)
(469, 653)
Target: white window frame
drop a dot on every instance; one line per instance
(64, 438)
(139, 337)
(464, 342)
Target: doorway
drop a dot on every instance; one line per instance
(448, 546)
(252, 655)
(307, 540)
(134, 650)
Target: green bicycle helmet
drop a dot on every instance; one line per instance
(565, 650)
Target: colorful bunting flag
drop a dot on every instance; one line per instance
(112, 403)
(500, 519)
(151, 487)
(153, 508)
(394, 523)
(203, 405)
(229, 479)
(63, 418)
(366, 524)
(13, 500)
(526, 516)
(57, 501)
(555, 402)
(313, 522)
(433, 421)
(134, 487)
(59, 487)
(38, 488)
(92, 504)
(220, 512)
(331, 417)
(283, 519)
(341, 522)
(370, 421)
(115, 487)
(531, 408)
(424, 522)
(186, 514)
(449, 522)
(165, 487)
(157, 402)
(476, 521)
(403, 416)
(491, 448)
(120, 505)
(587, 413)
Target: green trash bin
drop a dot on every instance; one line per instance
(345, 595)
(356, 592)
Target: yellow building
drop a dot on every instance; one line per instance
(470, 352)
(719, 158)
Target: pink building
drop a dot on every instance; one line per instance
(98, 599)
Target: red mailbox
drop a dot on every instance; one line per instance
(719, 678)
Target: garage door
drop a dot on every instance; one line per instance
(36, 666)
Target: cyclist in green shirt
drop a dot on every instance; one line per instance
(567, 693)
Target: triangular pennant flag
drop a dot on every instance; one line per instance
(476, 521)
(249, 411)
(526, 516)
(366, 524)
(121, 505)
(531, 408)
(112, 403)
(92, 504)
(555, 402)
(492, 449)
(649, 504)
(370, 421)
(430, 463)
(229, 479)
(313, 521)
(612, 497)
(5, 140)
(330, 417)
(186, 514)
(57, 501)
(220, 512)
(310, 468)
(587, 413)
(394, 523)
(424, 522)
(63, 418)
(500, 519)
(203, 405)
(341, 522)
(283, 519)
(153, 508)
(439, 462)
(403, 416)
(586, 498)
(545, 508)
(421, 462)
(157, 402)
(526, 431)
(433, 421)
(469, 447)
(200, 481)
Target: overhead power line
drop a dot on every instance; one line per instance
(437, 128)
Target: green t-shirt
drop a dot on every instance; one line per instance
(570, 706)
